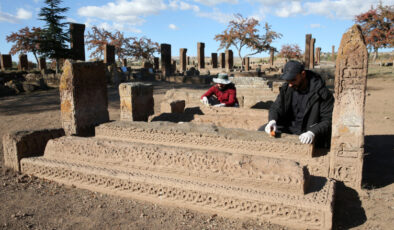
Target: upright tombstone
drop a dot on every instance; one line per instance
(83, 97)
(318, 50)
(201, 55)
(222, 60)
(165, 59)
(156, 63)
(333, 53)
(307, 54)
(347, 142)
(272, 56)
(182, 59)
(173, 66)
(214, 59)
(124, 62)
(229, 60)
(312, 54)
(77, 41)
(188, 60)
(23, 62)
(136, 101)
(6, 61)
(42, 63)
(109, 54)
(247, 63)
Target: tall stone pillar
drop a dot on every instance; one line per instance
(165, 59)
(214, 58)
(229, 60)
(136, 101)
(77, 41)
(188, 60)
(201, 55)
(247, 63)
(333, 53)
(312, 54)
(6, 61)
(42, 63)
(272, 56)
(156, 63)
(222, 58)
(23, 62)
(173, 66)
(347, 142)
(318, 50)
(307, 53)
(83, 97)
(182, 59)
(109, 54)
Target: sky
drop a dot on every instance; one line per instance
(183, 23)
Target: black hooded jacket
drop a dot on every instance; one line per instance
(318, 111)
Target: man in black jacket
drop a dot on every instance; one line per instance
(303, 107)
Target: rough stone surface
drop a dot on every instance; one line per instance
(214, 59)
(307, 58)
(229, 60)
(347, 143)
(272, 57)
(318, 50)
(165, 59)
(156, 63)
(177, 106)
(42, 63)
(21, 144)
(222, 59)
(182, 59)
(201, 55)
(6, 61)
(23, 63)
(136, 101)
(109, 54)
(77, 41)
(83, 97)
(312, 54)
(247, 64)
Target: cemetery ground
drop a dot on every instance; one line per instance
(31, 203)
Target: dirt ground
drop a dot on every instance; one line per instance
(31, 203)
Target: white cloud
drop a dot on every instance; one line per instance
(21, 14)
(217, 16)
(289, 9)
(172, 26)
(215, 2)
(316, 26)
(176, 4)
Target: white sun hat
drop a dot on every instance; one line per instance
(222, 79)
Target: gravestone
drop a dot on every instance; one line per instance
(173, 66)
(214, 59)
(156, 63)
(229, 60)
(272, 53)
(77, 42)
(165, 59)
(182, 59)
(109, 54)
(318, 50)
(23, 62)
(347, 142)
(124, 62)
(312, 54)
(222, 60)
(83, 97)
(136, 101)
(6, 61)
(247, 63)
(307, 54)
(201, 55)
(42, 63)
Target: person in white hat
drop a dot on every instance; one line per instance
(222, 94)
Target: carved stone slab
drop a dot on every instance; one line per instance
(136, 101)
(347, 143)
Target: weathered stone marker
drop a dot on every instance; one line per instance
(6, 61)
(23, 63)
(229, 60)
(182, 59)
(77, 42)
(247, 64)
(156, 63)
(124, 62)
(272, 56)
(307, 53)
(318, 50)
(165, 59)
(222, 60)
(201, 55)
(312, 54)
(347, 143)
(109, 54)
(83, 97)
(214, 59)
(173, 66)
(136, 101)
(42, 63)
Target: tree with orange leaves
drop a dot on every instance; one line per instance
(243, 32)
(377, 27)
(292, 51)
(144, 48)
(25, 41)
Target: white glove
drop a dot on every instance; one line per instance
(307, 137)
(205, 101)
(270, 126)
(220, 105)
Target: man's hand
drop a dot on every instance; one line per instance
(270, 126)
(220, 105)
(205, 101)
(307, 137)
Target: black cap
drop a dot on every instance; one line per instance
(291, 69)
